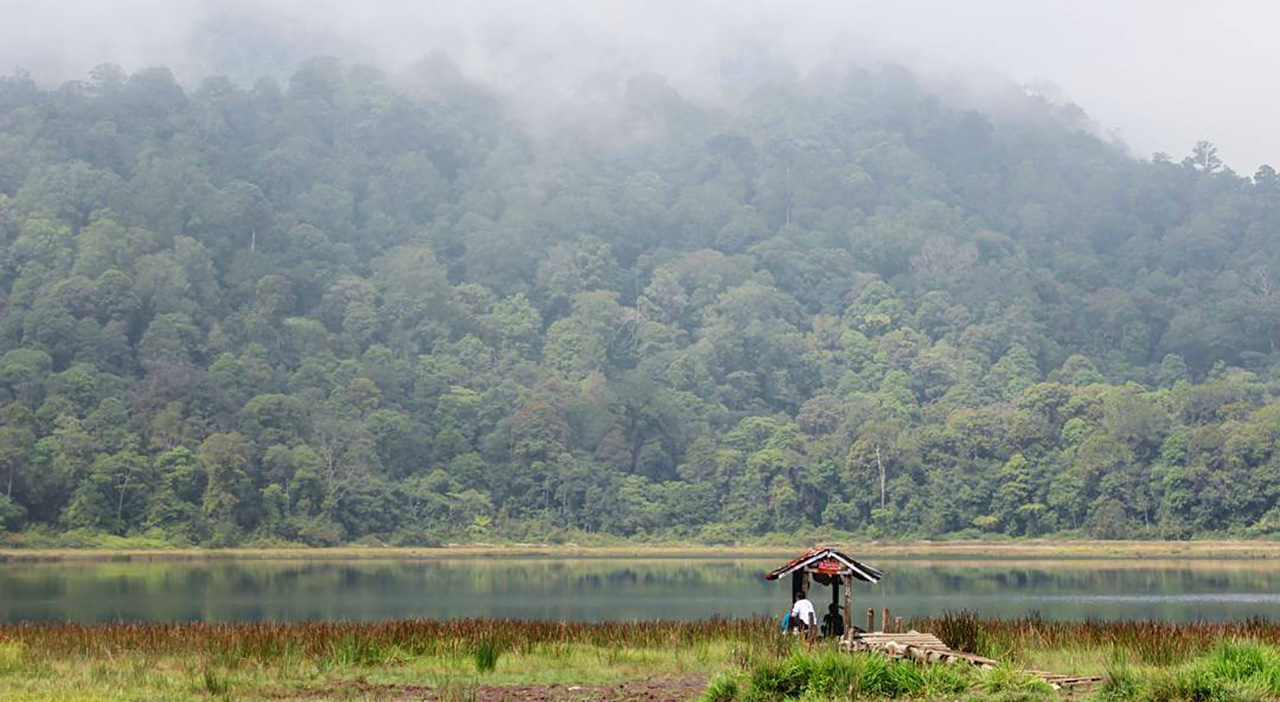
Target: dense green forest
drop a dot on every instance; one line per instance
(349, 306)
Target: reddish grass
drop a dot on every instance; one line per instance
(374, 642)
(369, 641)
(1154, 642)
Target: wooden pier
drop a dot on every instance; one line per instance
(929, 649)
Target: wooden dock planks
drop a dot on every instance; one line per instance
(927, 648)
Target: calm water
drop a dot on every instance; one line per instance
(621, 588)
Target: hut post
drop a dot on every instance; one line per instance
(848, 603)
(836, 581)
(884, 620)
(871, 619)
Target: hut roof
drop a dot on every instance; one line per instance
(827, 561)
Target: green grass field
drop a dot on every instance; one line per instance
(717, 661)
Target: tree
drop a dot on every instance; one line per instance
(127, 480)
(878, 447)
(16, 444)
(224, 458)
(538, 431)
(1204, 157)
(1172, 370)
(11, 514)
(1014, 372)
(1014, 505)
(275, 419)
(70, 191)
(357, 308)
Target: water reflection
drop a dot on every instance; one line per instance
(618, 588)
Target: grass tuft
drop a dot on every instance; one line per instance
(1244, 664)
(215, 683)
(1120, 683)
(448, 690)
(722, 688)
(1004, 679)
(486, 655)
(12, 656)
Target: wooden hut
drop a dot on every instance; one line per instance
(828, 567)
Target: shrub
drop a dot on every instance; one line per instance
(1234, 670)
(1004, 679)
(1120, 683)
(832, 674)
(1247, 664)
(773, 680)
(947, 680)
(416, 537)
(722, 688)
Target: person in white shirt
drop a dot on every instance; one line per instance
(802, 613)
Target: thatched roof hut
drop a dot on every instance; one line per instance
(825, 563)
(828, 567)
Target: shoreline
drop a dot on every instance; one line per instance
(965, 550)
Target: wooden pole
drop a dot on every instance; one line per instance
(848, 603)
(897, 624)
(884, 620)
(835, 599)
(871, 619)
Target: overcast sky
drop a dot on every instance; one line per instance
(1160, 73)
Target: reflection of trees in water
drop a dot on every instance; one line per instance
(480, 576)
(1092, 580)
(254, 589)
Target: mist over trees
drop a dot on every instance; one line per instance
(350, 307)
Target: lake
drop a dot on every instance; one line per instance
(595, 588)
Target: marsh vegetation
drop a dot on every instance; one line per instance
(741, 659)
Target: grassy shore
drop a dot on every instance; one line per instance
(911, 549)
(717, 661)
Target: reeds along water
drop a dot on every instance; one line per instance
(1153, 642)
(367, 642)
(371, 642)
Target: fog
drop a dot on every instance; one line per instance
(1159, 75)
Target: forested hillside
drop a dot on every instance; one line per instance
(349, 306)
